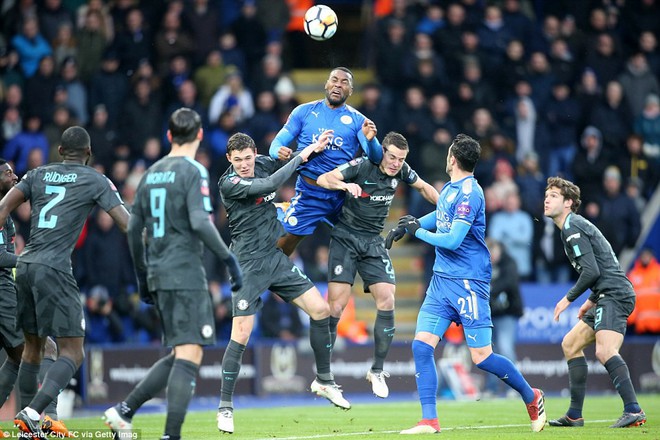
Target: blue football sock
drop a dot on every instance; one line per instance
(509, 374)
(426, 377)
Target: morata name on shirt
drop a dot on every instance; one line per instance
(161, 177)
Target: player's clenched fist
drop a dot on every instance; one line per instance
(369, 129)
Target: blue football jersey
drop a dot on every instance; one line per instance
(463, 201)
(308, 121)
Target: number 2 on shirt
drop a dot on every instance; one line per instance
(51, 222)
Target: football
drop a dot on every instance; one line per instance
(320, 22)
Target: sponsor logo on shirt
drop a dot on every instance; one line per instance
(242, 304)
(207, 331)
(463, 209)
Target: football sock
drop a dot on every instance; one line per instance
(333, 329)
(154, 382)
(383, 334)
(426, 377)
(58, 377)
(321, 342)
(27, 382)
(620, 376)
(51, 409)
(503, 368)
(8, 375)
(231, 366)
(180, 389)
(577, 382)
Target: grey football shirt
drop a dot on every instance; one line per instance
(62, 196)
(367, 213)
(585, 245)
(168, 193)
(7, 237)
(253, 221)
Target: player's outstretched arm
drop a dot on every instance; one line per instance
(279, 147)
(369, 142)
(266, 185)
(427, 190)
(447, 240)
(335, 180)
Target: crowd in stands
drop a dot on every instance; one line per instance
(548, 88)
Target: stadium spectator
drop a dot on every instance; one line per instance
(31, 46)
(210, 76)
(251, 36)
(52, 14)
(280, 320)
(100, 11)
(588, 92)
(647, 125)
(562, 61)
(506, 307)
(540, 78)
(613, 118)
(635, 164)
(64, 44)
(171, 41)
(494, 35)
(645, 277)
(531, 183)
(233, 96)
(201, 18)
(53, 130)
(109, 87)
(103, 137)
(264, 124)
(140, 118)
(615, 213)
(10, 125)
(514, 229)
(134, 42)
(92, 43)
(373, 105)
(391, 50)
(562, 116)
(605, 58)
(75, 90)
(31, 137)
(590, 163)
(638, 82)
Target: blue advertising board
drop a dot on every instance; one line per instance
(538, 324)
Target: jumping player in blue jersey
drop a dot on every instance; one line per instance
(352, 132)
(459, 290)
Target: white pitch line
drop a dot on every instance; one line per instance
(456, 428)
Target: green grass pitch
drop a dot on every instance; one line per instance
(486, 419)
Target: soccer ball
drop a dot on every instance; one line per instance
(320, 22)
